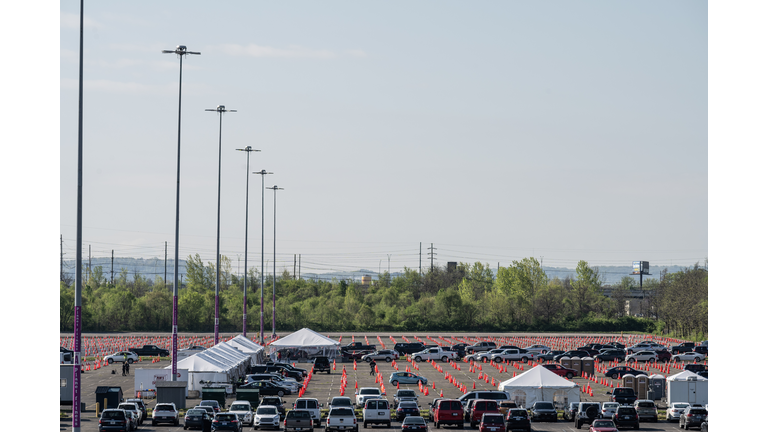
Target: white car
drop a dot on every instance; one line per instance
(134, 408)
(538, 349)
(339, 419)
(243, 410)
(266, 416)
(608, 409)
(376, 411)
(366, 393)
(644, 356)
(674, 411)
(485, 355)
(165, 412)
(122, 356)
(341, 402)
(386, 355)
(689, 356)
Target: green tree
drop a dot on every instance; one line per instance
(586, 289)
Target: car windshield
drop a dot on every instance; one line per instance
(518, 413)
(610, 405)
(113, 415)
(369, 391)
(495, 419)
(623, 410)
(406, 393)
(408, 404)
(226, 417)
(341, 402)
(645, 404)
(299, 414)
(543, 405)
(270, 401)
(195, 412)
(342, 412)
(414, 420)
(681, 405)
(164, 408)
(239, 407)
(266, 410)
(603, 424)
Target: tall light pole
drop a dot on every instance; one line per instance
(221, 110)
(181, 51)
(247, 151)
(79, 258)
(261, 327)
(274, 260)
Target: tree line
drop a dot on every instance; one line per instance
(520, 297)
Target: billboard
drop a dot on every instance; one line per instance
(641, 267)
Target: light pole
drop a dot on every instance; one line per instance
(263, 173)
(274, 260)
(77, 343)
(221, 110)
(181, 51)
(247, 151)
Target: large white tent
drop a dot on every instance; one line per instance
(687, 386)
(218, 364)
(247, 346)
(541, 384)
(306, 343)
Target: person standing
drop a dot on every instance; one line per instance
(373, 366)
(128, 369)
(124, 368)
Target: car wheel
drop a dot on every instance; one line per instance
(280, 393)
(388, 360)
(444, 359)
(615, 376)
(497, 359)
(417, 359)
(130, 361)
(524, 359)
(110, 361)
(569, 375)
(394, 383)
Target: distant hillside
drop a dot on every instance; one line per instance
(152, 267)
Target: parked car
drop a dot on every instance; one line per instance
(614, 345)
(701, 349)
(321, 364)
(406, 408)
(695, 367)
(626, 416)
(448, 412)
(646, 410)
(298, 420)
(484, 355)
(496, 395)
(207, 409)
(165, 412)
(311, 405)
(611, 355)
(266, 416)
(505, 406)
(142, 406)
(122, 357)
(226, 421)
(548, 356)
(404, 348)
(664, 355)
(133, 420)
(386, 355)
(480, 407)
(689, 356)
(491, 422)
(643, 346)
(683, 347)
(642, 356)
(113, 419)
(376, 411)
(561, 370)
(480, 346)
(460, 349)
(341, 419)
(517, 419)
(608, 409)
(405, 395)
(268, 388)
(623, 395)
(519, 355)
(366, 393)
(289, 366)
(134, 408)
(406, 378)
(275, 401)
(693, 416)
(620, 371)
(587, 413)
(413, 424)
(569, 413)
(340, 402)
(571, 353)
(603, 426)
(196, 418)
(538, 349)
(211, 403)
(675, 409)
(543, 411)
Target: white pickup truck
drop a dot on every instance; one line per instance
(434, 354)
(520, 355)
(341, 419)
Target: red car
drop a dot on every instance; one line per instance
(480, 407)
(664, 355)
(492, 423)
(448, 411)
(561, 370)
(603, 426)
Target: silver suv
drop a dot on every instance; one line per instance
(646, 410)
(165, 412)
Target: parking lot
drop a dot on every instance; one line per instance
(447, 378)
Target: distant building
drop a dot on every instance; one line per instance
(366, 280)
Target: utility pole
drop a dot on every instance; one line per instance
(165, 267)
(61, 261)
(294, 266)
(113, 267)
(299, 266)
(420, 258)
(89, 266)
(431, 256)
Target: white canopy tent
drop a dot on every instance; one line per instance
(247, 346)
(687, 386)
(303, 344)
(219, 364)
(541, 384)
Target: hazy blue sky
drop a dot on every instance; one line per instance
(563, 130)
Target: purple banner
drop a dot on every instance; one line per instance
(216, 322)
(174, 343)
(76, 372)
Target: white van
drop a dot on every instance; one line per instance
(310, 405)
(376, 411)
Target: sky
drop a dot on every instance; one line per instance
(563, 131)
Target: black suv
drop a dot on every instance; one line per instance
(623, 395)
(543, 411)
(683, 348)
(586, 414)
(517, 420)
(695, 367)
(626, 416)
(693, 416)
(321, 364)
(409, 347)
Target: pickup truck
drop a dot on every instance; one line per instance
(683, 348)
(298, 420)
(341, 419)
(520, 355)
(150, 350)
(434, 354)
(358, 346)
(480, 347)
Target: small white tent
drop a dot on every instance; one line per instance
(247, 346)
(687, 386)
(541, 384)
(306, 343)
(220, 364)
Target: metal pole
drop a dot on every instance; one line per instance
(78, 272)
(248, 151)
(261, 326)
(274, 261)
